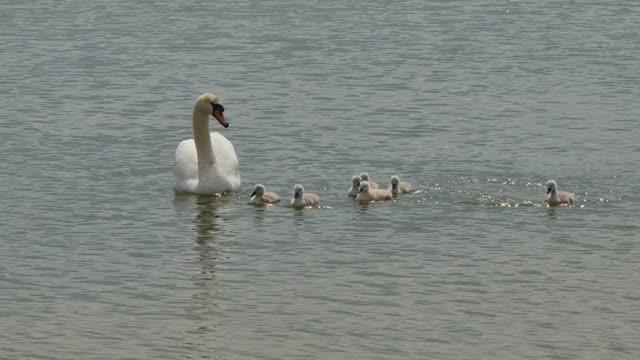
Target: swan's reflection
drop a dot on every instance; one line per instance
(209, 219)
(210, 235)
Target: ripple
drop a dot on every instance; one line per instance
(475, 104)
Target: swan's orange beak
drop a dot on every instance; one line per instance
(218, 115)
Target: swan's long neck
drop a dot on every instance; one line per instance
(202, 138)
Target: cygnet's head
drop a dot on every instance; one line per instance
(258, 190)
(551, 186)
(364, 187)
(210, 104)
(364, 176)
(395, 181)
(298, 191)
(355, 181)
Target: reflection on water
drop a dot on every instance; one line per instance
(209, 235)
(208, 222)
(298, 215)
(259, 214)
(459, 97)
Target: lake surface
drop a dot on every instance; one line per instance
(477, 104)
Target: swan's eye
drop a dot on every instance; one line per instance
(218, 107)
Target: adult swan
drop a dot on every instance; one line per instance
(207, 164)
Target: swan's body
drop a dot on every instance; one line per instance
(207, 164)
(364, 176)
(398, 186)
(368, 194)
(355, 186)
(260, 197)
(554, 197)
(302, 199)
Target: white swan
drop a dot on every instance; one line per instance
(260, 197)
(368, 194)
(555, 197)
(207, 164)
(355, 186)
(302, 199)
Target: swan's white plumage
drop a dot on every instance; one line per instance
(219, 168)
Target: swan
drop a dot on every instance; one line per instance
(398, 186)
(207, 164)
(367, 194)
(364, 176)
(555, 197)
(302, 199)
(355, 186)
(258, 196)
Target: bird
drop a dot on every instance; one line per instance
(259, 196)
(364, 176)
(355, 186)
(207, 164)
(554, 197)
(368, 194)
(302, 199)
(398, 186)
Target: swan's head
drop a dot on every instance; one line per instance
(364, 176)
(364, 187)
(355, 181)
(258, 190)
(210, 104)
(551, 186)
(298, 191)
(395, 181)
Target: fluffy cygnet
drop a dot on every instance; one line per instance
(364, 176)
(555, 197)
(398, 186)
(368, 194)
(259, 196)
(355, 186)
(302, 199)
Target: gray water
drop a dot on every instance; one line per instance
(477, 104)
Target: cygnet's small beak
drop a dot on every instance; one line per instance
(548, 190)
(254, 193)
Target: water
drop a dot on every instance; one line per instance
(476, 103)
